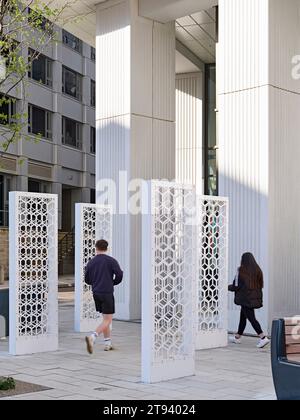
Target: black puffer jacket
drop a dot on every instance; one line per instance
(244, 296)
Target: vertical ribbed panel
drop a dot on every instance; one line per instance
(243, 121)
(141, 147)
(242, 178)
(113, 61)
(141, 168)
(135, 123)
(259, 128)
(244, 43)
(284, 159)
(189, 139)
(142, 68)
(113, 156)
(284, 42)
(163, 67)
(284, 204)
(163, 150)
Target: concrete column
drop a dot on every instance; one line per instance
(57, 63)
(189, 129)
(22, 163)
(57, 126)
(85, 177)
(259, 126)
(135, 114)
(22, 177)
(57, 189)
(86, 195)
(86, 90)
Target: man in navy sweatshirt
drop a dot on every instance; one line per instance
(103, 273)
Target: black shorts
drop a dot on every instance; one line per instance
(105, 304)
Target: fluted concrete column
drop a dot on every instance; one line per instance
(259, 127)
(57, 189)
(189, 129)
(135, 113)
(22, 177)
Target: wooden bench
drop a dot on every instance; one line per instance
(292, 339)
(285, 354)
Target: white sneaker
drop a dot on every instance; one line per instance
(263, 343)
(89, 344)
(235, 340)
(108, 347)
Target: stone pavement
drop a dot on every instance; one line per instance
(237, 372)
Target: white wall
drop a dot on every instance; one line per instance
(135, 114)
(284, 152)
(189, 129)
(242, 66)
(259, 143)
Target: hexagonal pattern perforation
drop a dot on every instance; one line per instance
(172, 264)
(93, 222)
(33, 275)
(212, 282)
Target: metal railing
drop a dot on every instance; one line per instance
(66, 246)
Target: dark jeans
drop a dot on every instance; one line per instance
(249, 314)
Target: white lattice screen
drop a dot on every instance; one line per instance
(168, 283)
(33, 273)
(93, 222)
(212, 279)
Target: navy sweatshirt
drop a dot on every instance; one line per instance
(103, 273)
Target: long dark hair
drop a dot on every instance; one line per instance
(251, 272)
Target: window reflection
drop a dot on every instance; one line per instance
(211, 170)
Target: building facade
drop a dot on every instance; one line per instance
(61, 110)
(61, 103)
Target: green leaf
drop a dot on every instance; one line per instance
(7, 384)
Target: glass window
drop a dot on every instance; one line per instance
(40, 68)
(93, 93)
(93, 140)
(39, 122)
(7, 110)
(5, 187)
(36, 186)
(93, 196)
(71, 133)
(38, 21)
(72, 41)
(211, 166)
(93, 54)
(72, 83)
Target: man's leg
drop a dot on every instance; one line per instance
(107, 338)
(109, 309)
(107, 332)
(104, 328)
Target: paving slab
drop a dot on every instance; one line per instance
(236, 372)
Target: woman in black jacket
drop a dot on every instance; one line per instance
(247, 286)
